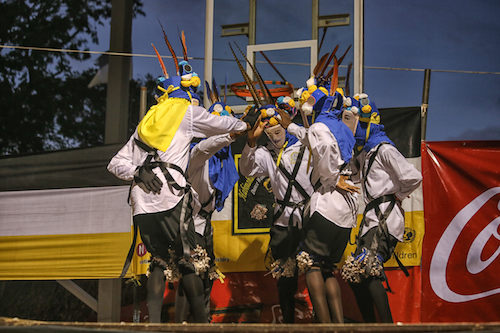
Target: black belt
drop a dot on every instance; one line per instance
(295, 205)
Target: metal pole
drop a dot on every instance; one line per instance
(209, 45)
(425, 103)
(358, 46)
(143, 102)
(252, 16)
(315, 14)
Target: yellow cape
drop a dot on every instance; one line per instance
(159, 125)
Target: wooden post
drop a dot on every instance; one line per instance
(117, 99)
(116, 128)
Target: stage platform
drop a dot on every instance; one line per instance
(20, 326)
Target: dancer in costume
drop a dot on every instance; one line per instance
(155, 159)
(212, 174)
(387, 178)
(333, 204)
(284, 161)
(332, 208)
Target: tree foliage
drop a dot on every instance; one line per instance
(45, 103)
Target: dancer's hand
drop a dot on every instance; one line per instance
(234, 135)
(285, 120)
(343, 185)
(254, 134)
(250, 117)
(148, 180)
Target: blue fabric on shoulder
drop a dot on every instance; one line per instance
(223, 175)
(290, 138)
(377, 135)
(342, 133)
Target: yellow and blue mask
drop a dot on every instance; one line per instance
(369, 132)
(220, 109)
(331, 115)
(183, 85)
(287, 104)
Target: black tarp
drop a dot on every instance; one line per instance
(62, 169)
(402, 125)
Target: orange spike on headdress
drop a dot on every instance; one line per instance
(210, 93)
(265, 91)
(170, 49)
(329, 59)
(165, 74)
(342, 58)
(215, 90)
(184, 47)
(320, 64)
(335, 77)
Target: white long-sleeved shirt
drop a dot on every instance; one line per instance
(197, 122)
(337, 206)
(390, 173)
(198, 173)
(258, 161)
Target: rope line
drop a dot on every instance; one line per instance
(125, 54)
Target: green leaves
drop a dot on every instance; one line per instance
(45, 103)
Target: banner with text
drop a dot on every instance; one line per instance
(460, 260)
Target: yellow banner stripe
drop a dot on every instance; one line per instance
(238, 253)
(82, 256)
(410, 250)
(246, 253)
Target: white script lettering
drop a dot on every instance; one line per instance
(441, 255)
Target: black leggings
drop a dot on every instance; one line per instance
(182, 310)
(370, 293)
(287, 287)
(191, 286)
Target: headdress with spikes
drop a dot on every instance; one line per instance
(185, 82)
(320, 86)
(264, 89)
(267, 107)
(218, 107)
(249, 82)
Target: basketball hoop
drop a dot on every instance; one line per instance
(283, 89)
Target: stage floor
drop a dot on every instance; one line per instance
(20, 326)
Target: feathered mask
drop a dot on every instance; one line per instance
(185, 82)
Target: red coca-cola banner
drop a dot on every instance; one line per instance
(460, 259)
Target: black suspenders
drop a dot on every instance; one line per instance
(183, 221)
(382, 217)
(291, 184)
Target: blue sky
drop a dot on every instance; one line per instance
(456, 35)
